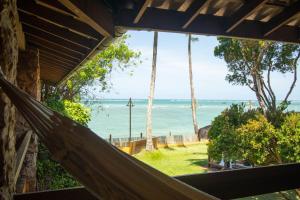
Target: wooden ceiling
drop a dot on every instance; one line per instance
(63, 32)
(67, 32)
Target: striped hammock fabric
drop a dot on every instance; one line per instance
(103, 169)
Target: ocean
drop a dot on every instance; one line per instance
(111, 116)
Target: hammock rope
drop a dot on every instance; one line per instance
(104, 170)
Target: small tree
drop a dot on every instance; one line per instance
(250, 63)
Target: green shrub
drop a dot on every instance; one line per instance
(257, 141)
(289, 138)
(222, 134)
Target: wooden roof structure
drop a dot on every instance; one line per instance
(68, 32)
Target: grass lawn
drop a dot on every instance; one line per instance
(177, 160)
(190, 160)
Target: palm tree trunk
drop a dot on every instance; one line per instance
(193, 100)
(149, 143)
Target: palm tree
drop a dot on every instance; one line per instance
(149, 143)
(193, 100)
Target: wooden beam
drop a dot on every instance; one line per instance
(239, 183)
(165, 5)
(171, 21)
(58, 56)
(41, 38)
(185, 5)
(20, 36)
(58, 60)
(52, 68)
(55, 6)
(41, 45)
(28, 29)
(58, 19)
(142, 10)
(196, 14)
(67, 66)
(224, 184)
(94, 13)
(245, 11)
(282, 18)
(61, 32)
(21, 153)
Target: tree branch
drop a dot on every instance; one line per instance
(269, 84)
(295, 77)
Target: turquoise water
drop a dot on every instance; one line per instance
(112, 116)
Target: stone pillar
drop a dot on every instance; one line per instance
(28, 79)
(8, 63)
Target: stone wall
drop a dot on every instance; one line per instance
(8, 63)
(28, 79)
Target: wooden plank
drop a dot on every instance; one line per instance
(57, 63)
(142, 10)
(58, 56)
(57, 44)
(20, 36)
(55, 6)
(58, 60)
(165, 5)
(171, 21)
(282, 18)
(93, 13)
(185, 5)
(52, 49)
(246, 182)
(224, 184)
(21, 153)
(58, 19)
(196, 14)
(245, 11)
(58, 31)
(54, 39)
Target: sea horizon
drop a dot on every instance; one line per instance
(111, 116)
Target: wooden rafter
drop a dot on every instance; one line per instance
(141, 12)
(185, 5)
(86, 14)
(282, 18)
(166, 4)
(55, 6)
(57, 59)
(41, 45)
(54, 40)
(203, 25)
(245, 11)
(58, 56)
(196, 14)
(58, 19)
(48, 59)
(59, 45)
(63, 33)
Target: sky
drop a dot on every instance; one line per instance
(172, 78)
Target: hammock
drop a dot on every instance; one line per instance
(104, 170)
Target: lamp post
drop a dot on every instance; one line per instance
(130, 105)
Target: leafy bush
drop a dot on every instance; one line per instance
(257, 141)
(289, 138)
(222, 134)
